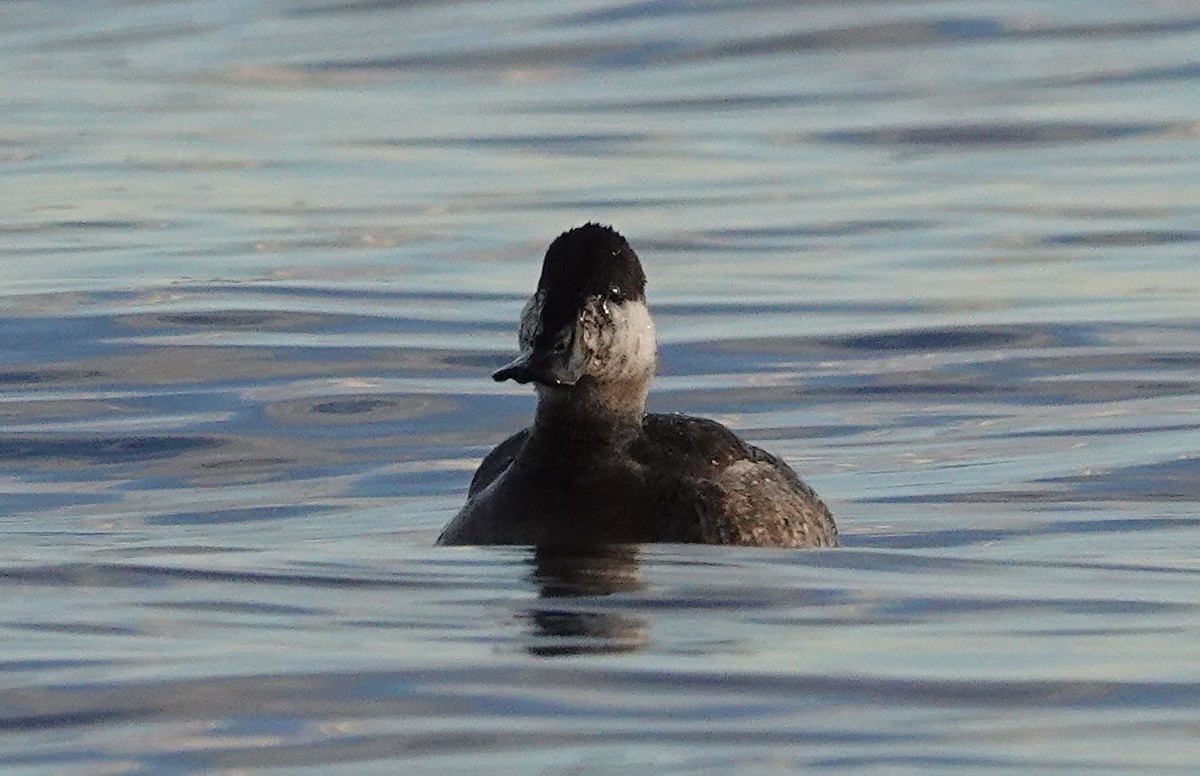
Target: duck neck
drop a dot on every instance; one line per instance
(589, 415)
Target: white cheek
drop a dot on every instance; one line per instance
(531, 320)
(639, 339)
(630, 352)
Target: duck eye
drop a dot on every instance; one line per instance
(615, 295)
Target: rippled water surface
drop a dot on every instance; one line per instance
(258, 260)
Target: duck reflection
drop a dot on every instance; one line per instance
(569, 618)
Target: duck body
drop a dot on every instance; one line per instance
(594, 468)
(682, 479)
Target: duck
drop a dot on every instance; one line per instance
(594, 468)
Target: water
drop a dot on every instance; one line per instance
(258, 260)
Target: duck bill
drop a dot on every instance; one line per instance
(536, 367)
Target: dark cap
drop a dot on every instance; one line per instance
(590, 260)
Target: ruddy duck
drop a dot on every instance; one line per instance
(594, 467)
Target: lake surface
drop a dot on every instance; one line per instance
(259, 259)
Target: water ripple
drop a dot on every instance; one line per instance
(997, 133)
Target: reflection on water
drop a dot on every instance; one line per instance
(258, 261)
(569, 580)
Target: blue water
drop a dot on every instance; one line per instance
(258, 260)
